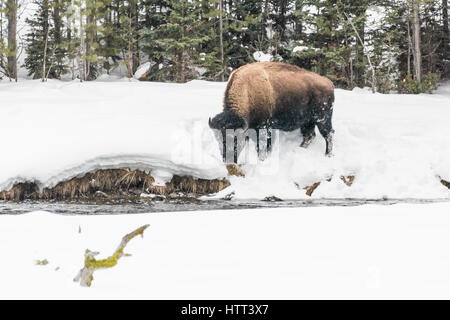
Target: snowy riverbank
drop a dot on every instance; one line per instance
(396, 146)
(397, 251)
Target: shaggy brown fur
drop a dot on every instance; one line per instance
(257, 91)
(120, 182)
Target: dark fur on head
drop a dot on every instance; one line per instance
(227, 120)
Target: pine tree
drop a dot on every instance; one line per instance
(91, 38)
(177, 40)
(39, 42)
(108, 37)
(188, 39)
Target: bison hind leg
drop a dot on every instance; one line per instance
(308, 134)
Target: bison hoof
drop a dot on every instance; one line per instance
(307, 141)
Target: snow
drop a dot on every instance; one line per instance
(396, 146)
(299, 48)
(370, 251)
(141, 70)
(375, 15)
(262, 57)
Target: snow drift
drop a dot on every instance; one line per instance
(396, 146)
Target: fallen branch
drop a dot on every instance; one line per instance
(86, 274)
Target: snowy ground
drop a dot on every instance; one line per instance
(396, 145)
(398, 251)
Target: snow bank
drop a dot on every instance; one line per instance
(58, 130)
(397, 146)
(397, 251)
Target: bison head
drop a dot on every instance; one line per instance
(227, 120)
(223, 121)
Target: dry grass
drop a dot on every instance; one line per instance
(117, 182)
(235, 170)
(310, 189)
(21, 191)
(445, 183)
(348, 180)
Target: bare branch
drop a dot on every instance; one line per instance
(85, 276)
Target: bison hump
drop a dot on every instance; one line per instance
(249, 90)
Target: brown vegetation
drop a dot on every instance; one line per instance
(113, 182)
(348, 180)
(21, 191)
(310, 189)
(235, 170)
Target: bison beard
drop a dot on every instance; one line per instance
(273, 95)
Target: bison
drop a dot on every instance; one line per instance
(276, 95)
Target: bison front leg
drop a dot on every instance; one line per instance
(269, 140)
(308, 134)
(326, 130)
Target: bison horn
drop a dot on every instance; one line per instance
(209, 122)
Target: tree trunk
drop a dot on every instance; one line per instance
(409, 48)
(265, 18)
(445, 31)
(360, 67)
(283, 9)
(417, 43)
(45, 55)
(222, 76)
(298, 22)
(81, 61)
(12, 38)
(70, 48)
(180, 66)
(135, 35)
(180, 72)
(58, 25)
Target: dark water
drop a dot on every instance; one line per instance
(164, 206)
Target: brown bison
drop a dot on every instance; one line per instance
(278, 96)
